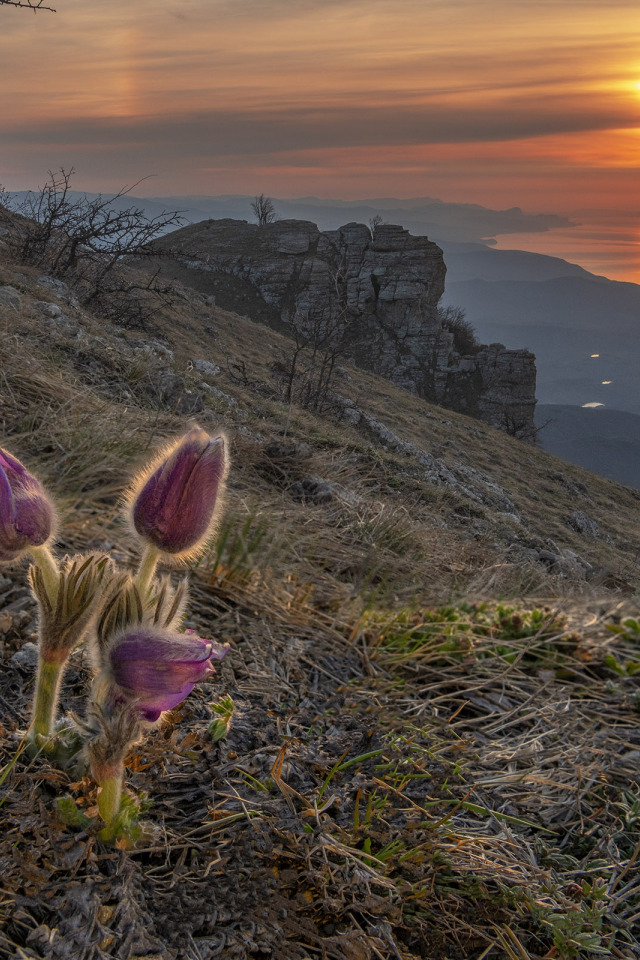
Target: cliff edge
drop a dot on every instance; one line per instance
(386, 283)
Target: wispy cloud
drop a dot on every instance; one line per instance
(500, 94)
(356, 123)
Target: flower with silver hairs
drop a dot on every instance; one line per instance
(26, 512)
(175, 502)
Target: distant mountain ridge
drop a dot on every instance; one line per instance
(422, 216)
(469, 261)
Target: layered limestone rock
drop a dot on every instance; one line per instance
(380, 291)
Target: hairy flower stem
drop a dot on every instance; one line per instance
(46, 563)
(109, 799)
(146, 570)
(46, 698)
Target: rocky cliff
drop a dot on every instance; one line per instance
(383, 288)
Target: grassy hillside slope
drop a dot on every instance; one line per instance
(434, 668)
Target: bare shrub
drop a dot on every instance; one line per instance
(455, 321)
(87, 241)
(306, 372)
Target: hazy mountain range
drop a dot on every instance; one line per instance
(584, 329)
(421, 216)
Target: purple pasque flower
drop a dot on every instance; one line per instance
(173, 504)
(26, 513)
(159, 668)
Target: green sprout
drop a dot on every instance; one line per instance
(220, 725)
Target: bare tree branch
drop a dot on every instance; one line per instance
(29, 5)
(305, 373)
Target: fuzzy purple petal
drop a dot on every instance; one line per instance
(147, 678)
(11, 464)
(161, 668)
(175, 506)
(7, 505)
(218, 650)
(152, 705)
(34, 515)
(7, 555)
(26, 514)
(163, 646)
(150, 715)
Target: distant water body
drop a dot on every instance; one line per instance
(607, 244)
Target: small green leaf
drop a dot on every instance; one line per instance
(71, 814)
(219, 726)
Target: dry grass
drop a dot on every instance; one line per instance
(370, 481)
(412, 770)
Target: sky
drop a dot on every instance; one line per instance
(530, 103)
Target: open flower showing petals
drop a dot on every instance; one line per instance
(174, 503)
(26, 513)
(160, 668)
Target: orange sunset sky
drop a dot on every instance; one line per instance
(530, 103)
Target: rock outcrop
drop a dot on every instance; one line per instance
(384, 288)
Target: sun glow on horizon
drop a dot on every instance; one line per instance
(280, 97)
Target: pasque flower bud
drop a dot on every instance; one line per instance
(158, 669)
(173, 503)
(26, 513)
(144, 670)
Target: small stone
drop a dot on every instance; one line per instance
(53, 284)
(47, 309)
(172, 391)
(9, 297)
(584, 525)
(156, 351)
(206, 368)
(577, 559)
(512, 517)
(26, 658)
(224, 398)
(549, 558)
(287, 450)
(313, 489)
